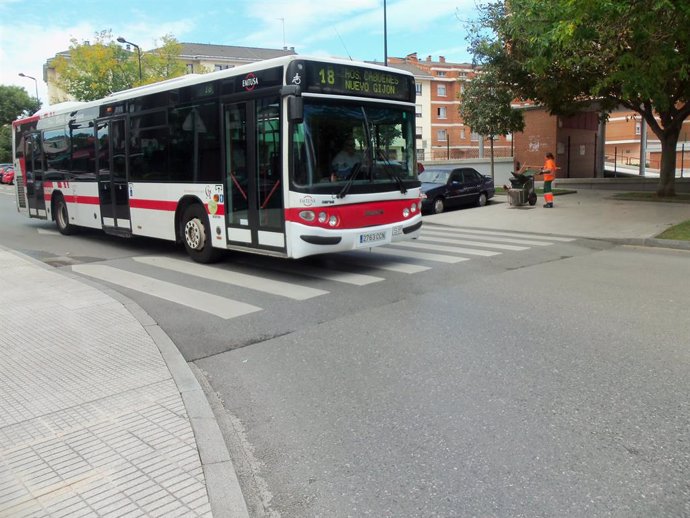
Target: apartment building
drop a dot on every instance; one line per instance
(441, 132)
(198, 58)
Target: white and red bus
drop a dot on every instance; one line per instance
(239, 159)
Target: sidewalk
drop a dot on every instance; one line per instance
(99, 413)
(101, 416)
(587, 213)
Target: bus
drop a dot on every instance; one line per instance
(238, 159)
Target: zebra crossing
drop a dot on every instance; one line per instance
(437, 245)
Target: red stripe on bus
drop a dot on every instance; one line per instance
(360, 215)
(136, 203)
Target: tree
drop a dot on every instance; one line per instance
(485, 107)
(620, 52)
(164, 62)
(95, 70)
(15, 102)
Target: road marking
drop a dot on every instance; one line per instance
(530, 242)
(497, 246)
(252, 282)
(510, 234)
(48, 232)
(441, 248)
(390, 266)
(220, 306)
(439, 258)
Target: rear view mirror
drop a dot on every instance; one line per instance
(295, 108)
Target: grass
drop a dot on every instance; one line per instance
(651, 196)
(679, 232)
(540, 191)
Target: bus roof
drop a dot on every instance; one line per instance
(193, 79)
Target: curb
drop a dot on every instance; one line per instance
(222, 485)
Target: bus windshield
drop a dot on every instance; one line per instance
(353, 148)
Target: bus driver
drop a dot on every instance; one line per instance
(345, 160)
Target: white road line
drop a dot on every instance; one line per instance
(390, 266)
(510, 234)
(252, 282)
(441, 248)
(497, 246)
(220, 306)
(48, 232)
(439, 258)
(356, 279)
(498, 239)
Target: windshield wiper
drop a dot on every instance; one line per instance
(353, 174)
(388, 168)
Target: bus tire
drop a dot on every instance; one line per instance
(61, 215)
(196, 235)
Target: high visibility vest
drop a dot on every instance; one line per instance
(550, 166)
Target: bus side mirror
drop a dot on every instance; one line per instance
(295, 108)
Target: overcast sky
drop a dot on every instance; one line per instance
(31, 31)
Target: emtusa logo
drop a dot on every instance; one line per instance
(250, 82)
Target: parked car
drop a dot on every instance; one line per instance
(7, 174)
(446, 187)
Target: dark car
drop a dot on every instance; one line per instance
(445, 187)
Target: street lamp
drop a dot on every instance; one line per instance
(122, 40)
(22, 74)
(385, 35)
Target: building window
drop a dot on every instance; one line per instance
(441, 90)
(442, 135)
(418, 88)
(418, 132)
(418, 110)
(441, 112)
(190, 68)
(462, 133)
(474, 137)
(441, 73)
(638, 128)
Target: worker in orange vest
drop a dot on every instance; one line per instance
(549, 171)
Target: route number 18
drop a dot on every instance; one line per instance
(327, 76)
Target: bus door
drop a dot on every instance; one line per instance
(33, 155)
(113, 190)
(253, 180)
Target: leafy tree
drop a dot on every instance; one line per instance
(14, 103)
(620, 52)
(163, 63)
(485, 107)
(94, 70)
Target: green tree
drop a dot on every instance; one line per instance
(485, 107)
(14, 103)
(94, 70)
(619, 52)
(163, 62)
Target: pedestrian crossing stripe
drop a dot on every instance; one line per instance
(222, 307)
(443, 248)
(497, 239)
(497, 246)
(499, 233)
(218, 274)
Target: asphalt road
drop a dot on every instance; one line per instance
(550, 380)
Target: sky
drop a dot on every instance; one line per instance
(33, 31)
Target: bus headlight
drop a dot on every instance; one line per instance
(406, 212)
(333, 221)
(307, 215)
(323, 217)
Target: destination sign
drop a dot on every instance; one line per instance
(331, 78)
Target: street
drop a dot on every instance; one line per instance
(523, 375)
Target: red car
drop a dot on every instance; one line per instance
(7, 174)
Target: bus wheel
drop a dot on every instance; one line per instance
(197, 235)
(61, 216)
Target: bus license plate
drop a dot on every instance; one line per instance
(373, 238)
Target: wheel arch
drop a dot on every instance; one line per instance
(185, 202)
